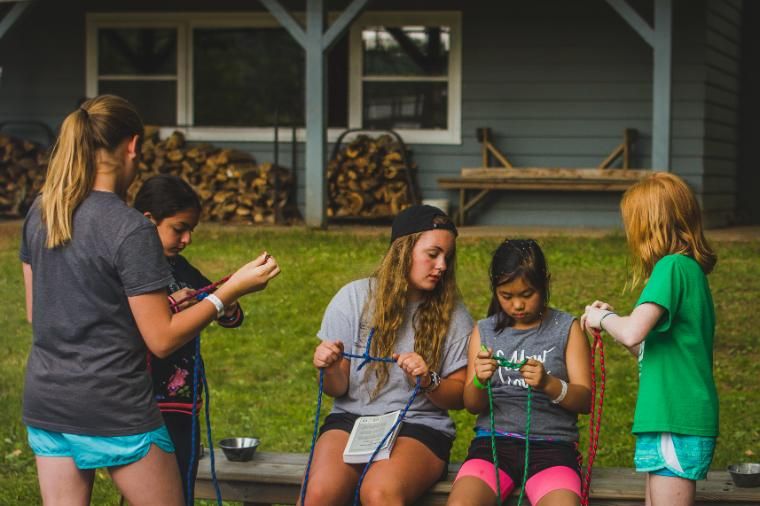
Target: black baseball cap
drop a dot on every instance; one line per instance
(420, 218)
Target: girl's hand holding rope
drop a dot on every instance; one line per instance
(534, 374)
(591, 318)
(485, 365)
(254, 275)
(185, 295)
(328, 354)
(414, 366)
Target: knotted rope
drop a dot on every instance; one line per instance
(509, 365)
(595, 417)
(366, 359)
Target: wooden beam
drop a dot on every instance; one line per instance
(12, 16)
(341, 24)
(316, 117)
(287, 21)
(633, 18)
(662, 85)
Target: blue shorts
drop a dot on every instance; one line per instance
(674, 455)
(90, 452)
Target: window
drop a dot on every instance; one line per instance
(405, 75)
(228, 77)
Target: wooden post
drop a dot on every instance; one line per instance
(315, 42)
(659, 38)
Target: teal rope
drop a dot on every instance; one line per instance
(509, 365)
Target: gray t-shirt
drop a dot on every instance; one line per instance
(547, 344)
(343, 322)
(86, 372)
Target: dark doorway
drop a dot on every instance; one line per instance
(748, 170)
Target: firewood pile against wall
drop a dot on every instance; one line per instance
(368, 178)
(229, 182)
(23, 165)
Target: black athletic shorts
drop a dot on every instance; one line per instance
(511, 452)
(438, 442)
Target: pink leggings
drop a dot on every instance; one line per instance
(537, 486)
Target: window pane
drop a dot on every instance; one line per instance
(405, 105)
(156, 101)
(242, 75)
(143, 51)
(406, 50)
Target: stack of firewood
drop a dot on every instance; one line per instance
(369, 178)
(23, 165)
(230, 184)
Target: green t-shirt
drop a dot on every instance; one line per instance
(676, 386)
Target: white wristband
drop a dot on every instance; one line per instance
(218, 304)
(562, 394)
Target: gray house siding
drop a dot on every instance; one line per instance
(722, 55)
(556, 81)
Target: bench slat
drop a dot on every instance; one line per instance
(276, 478)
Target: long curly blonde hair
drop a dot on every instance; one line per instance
(386, 306)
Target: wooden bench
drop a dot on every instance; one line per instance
(275, 478)
(507, 177)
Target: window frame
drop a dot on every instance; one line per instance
(186, 22)
(452, 19)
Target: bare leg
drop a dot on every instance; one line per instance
(559, 497)
(470, 491)
(152, 480)
(62, 483)
(412, 469)
(331, 481)
(671, 491)
(648, 493)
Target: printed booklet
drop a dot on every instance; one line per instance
(366, 435)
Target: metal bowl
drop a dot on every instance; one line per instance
(239, 449)
(745, 475)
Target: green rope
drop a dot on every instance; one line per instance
(509, 365)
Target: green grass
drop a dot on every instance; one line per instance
(262, 381)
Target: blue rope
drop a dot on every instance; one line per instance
(199, 371)
(189, 492)
(366, 359)
(217, 491)
(400, 419)
(313, 436)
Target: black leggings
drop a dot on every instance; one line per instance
(180, 428)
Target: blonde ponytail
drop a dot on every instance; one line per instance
(100, 123)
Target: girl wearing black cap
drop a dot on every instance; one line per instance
(412, 304)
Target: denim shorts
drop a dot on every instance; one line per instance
(90, 452)
(675, 455)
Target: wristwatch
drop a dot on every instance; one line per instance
(435, 382)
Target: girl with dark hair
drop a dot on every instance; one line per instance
(521, 327)
(95, 280)
(173, 206)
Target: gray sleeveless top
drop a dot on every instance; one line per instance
(545, 343)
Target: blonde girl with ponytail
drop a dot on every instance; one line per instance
(412, 309)
(96, 278)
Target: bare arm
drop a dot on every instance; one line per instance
(448, 395)
(631, 330)
(328, 356)
(475, 399)
(165, 332)
(578, 362)
(27, 270)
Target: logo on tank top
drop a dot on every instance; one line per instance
(510, 377)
